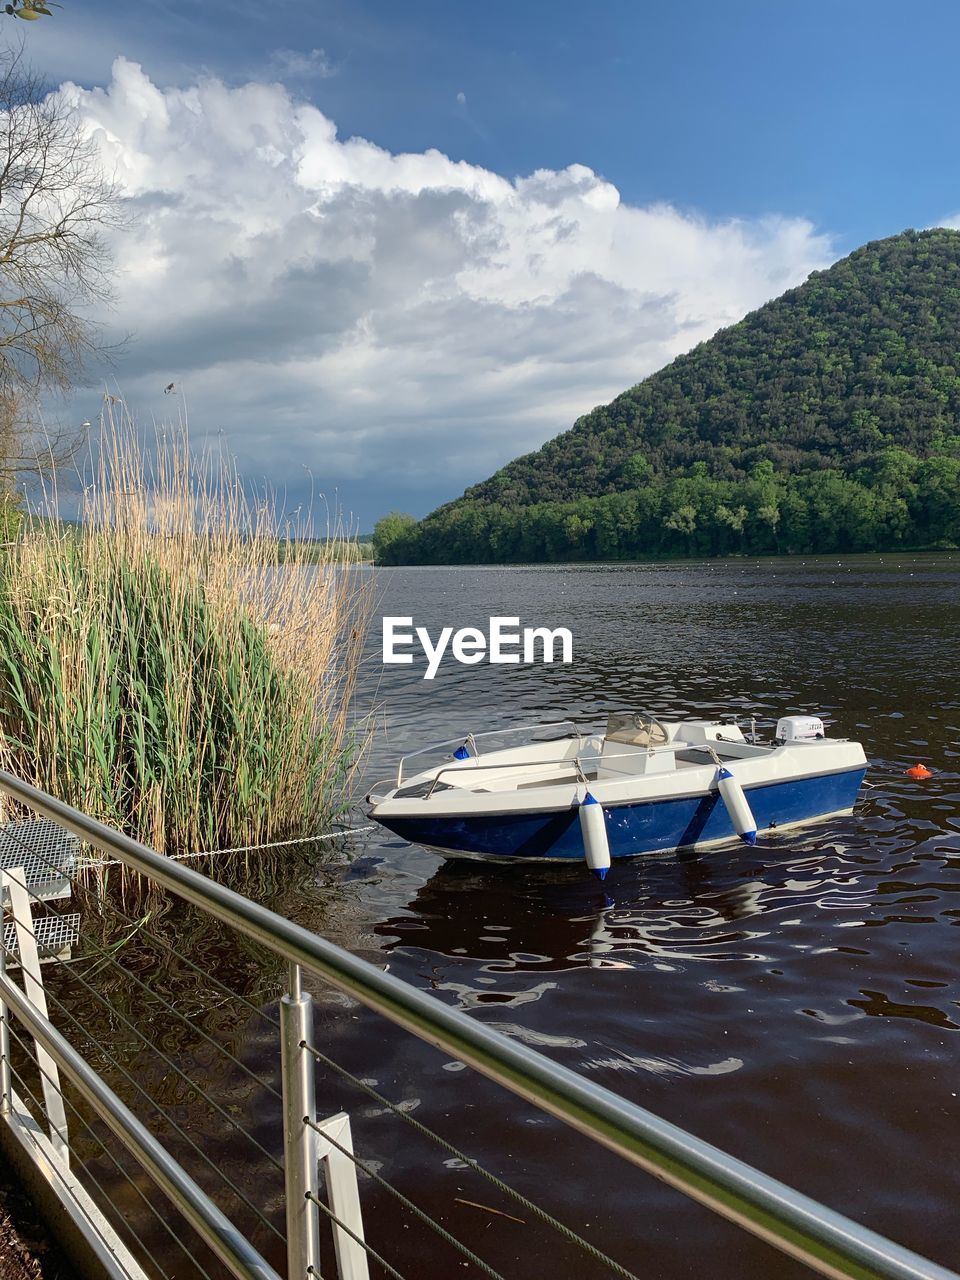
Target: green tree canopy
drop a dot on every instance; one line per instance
(392, 528)
(829, 419)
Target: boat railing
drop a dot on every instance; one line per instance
(473, 765)
(472, 739)
(257, 1215)
(717, 753)
(573, 762)
(380, 790)
(577, 762)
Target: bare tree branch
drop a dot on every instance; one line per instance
(56, 203)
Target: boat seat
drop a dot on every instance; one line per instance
(566, 778)
(618, 759)
(420, 790)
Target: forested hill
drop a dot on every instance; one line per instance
(827, 420)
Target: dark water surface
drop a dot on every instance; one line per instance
(796, 1003)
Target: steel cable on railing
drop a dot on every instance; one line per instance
(106, 1150)
(109, 958)
(161, 1111)
(228, 1182)
(234, 1123)
(148, 933)
(432, 1223)
(491, 1178)
(367, 1248)
(88, 1172)
(215, 982)
(542, 1214)
(518, 1197)
(479, 1262)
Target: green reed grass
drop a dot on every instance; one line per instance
(160, 671)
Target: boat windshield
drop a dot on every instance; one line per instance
(635, 729)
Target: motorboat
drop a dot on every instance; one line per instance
(643, 786)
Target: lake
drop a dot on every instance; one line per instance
(794, 1003)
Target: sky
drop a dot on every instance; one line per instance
(381, 249)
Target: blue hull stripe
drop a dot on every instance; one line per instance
(643, 827)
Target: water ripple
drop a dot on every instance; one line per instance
(794, 1002)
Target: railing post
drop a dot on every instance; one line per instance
(6, 1078)
(300, 1150)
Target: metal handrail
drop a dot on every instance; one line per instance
(381, 789)
(573, 761)
(212, 1226)
(487, 733)
(794, 1223)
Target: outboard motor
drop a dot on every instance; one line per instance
(799, 729)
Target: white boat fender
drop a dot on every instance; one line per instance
(731, 793)
(593, 827)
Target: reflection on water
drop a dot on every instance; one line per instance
(687, 907)
(807, 988)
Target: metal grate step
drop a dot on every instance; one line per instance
(55, 936)
(47, 853)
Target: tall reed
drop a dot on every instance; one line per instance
(161, 671)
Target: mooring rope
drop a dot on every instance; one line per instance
(88, 863)
(277, 844)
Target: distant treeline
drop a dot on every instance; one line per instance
(14, 524)
(323, 550)
(898, 501)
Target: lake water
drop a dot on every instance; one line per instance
(795, 1003)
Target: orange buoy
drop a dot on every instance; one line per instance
(919, 771)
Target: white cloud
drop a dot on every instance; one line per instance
(382, 317)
